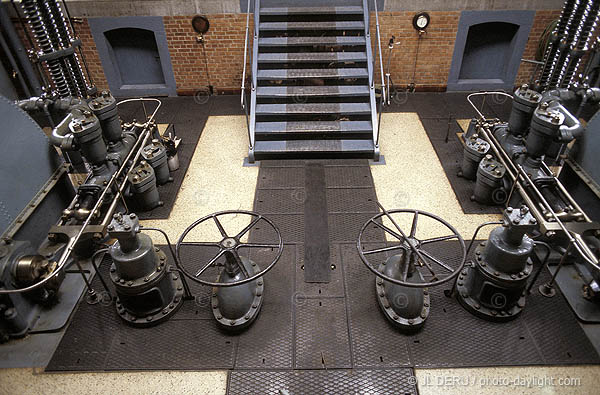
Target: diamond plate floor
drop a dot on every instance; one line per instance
(320, 332)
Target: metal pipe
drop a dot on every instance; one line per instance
(20, 53)
(73, 241)
(13, 64)
(61, 136)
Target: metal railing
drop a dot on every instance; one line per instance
(376, 119)
(249, 57)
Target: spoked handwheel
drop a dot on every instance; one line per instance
(403, 279)
(229, 247)
(238, 294)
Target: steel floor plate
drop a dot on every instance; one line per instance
(333, 382)
(311, 333)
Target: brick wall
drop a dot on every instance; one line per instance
(88, 47)
(224, 44)
(435, 48)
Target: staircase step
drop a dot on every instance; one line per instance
(340, 25)
(303, 41)
(312, 57)
(313, 149)
(282, 74)
(311, 10)
(314, 91)
(313, 108)
(312, 129)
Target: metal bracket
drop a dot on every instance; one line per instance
(14, 227)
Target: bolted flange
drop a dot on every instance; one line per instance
(245, 319)
(406, 324)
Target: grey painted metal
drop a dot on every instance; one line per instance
(303, 148)
(26, 156)
(317, 126)
(523, 19)
(19, 51)
(589, 146)
(312, 57)
(7, 88)
(295, 91)
(143, 187)
(309, 41)
(255, 45)
(370, 65)
(100, 26)
(156, 155)
(311, 73)
(343, 25)
(404, 307)
(147, 293)
(235, 308)
(313, 108)
(311, 10)
(493, 286)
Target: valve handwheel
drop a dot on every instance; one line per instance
(401, 281)
(228, 247)
(238, 294)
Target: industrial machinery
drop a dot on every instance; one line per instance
(33, 263)
(238, 290)
(493, 285)
(403, 279)
(148, 292)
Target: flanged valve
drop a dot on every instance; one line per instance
(147, 292)
(238, 290)
(493, 285)
(403, 280)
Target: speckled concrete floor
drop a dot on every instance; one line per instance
(216, 180)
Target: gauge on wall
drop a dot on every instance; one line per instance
(200, 24)
(421, 21)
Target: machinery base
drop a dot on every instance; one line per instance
(156, 318)
(248, 318)
(473, 307)
(406, 324)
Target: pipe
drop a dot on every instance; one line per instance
(61, 135)
(571, 127)
(13, 64)
(20, 53)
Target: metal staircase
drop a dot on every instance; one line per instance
(312, 93)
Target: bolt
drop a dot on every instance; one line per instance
(146, 279)
(149, 318)
(127, 227)
(130, 283)
(232, 323)
(132, 215)
(112, 270)
(496, 274)
(513, 276)
(477, 307)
